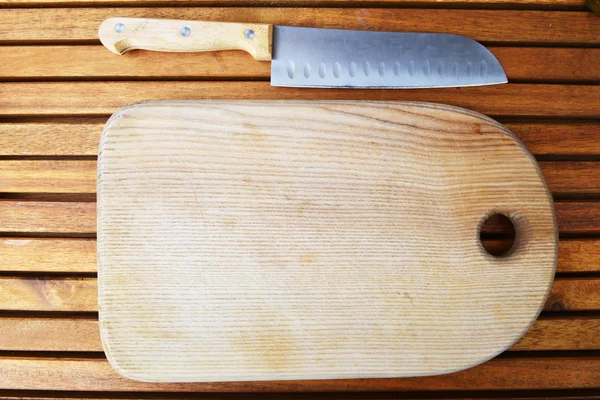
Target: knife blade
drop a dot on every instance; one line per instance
(324, 58)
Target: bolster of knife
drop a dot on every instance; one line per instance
(123, 34)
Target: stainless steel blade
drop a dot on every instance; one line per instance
(311, 57)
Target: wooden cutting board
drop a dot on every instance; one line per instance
(264, 240)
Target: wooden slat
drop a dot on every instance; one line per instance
(80, 218)
(318, 396)
(83, 98)
(47, 217)
(572, 178)
(312, 396)
(52, 62)
(79, 255)
(565, 139)
(538, 63)
(81, 294)
(347, 3)
(48, 255)
(578, 333)
(48, 294)
(49, 139)
(490, 26)
(499, 373)
(578, 217)
(98, 62)
(50, 334)
(65, 334)
(574, 295)
(81, 139)
(76, 176)
(322, 396)
(48, 176)
(579, 255)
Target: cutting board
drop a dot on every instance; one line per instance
(267, 240)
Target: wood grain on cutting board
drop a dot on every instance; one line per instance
(311, 240)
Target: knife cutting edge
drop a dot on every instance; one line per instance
(314, 57)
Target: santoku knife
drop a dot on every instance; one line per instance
(312, 57)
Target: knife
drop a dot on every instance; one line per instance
(327, 58)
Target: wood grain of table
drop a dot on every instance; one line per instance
(58, 86)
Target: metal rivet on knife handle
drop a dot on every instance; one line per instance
(185, 31)
(119, 28)
(249, 33)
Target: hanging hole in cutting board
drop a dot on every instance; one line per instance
(497, 234)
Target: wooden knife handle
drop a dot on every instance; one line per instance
(123, 34)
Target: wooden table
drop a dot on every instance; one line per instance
(59, 85)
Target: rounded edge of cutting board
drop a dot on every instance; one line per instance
(550, 199)
(105, 335)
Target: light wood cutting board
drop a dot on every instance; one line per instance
(264, 240)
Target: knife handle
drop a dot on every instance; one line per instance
(123, 34)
